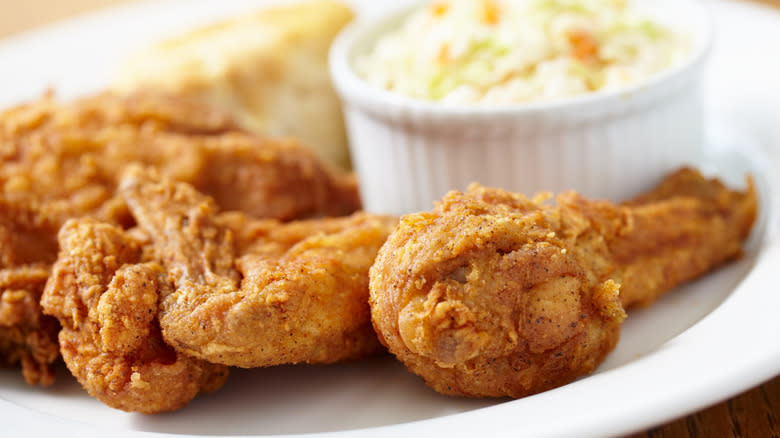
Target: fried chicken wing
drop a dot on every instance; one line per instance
(61, 161)
(249, 293)
(106, 296)
(494, 294)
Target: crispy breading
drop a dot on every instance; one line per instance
(63, 160)
(494, 294)
(66, 159)
(27, 248)
(253, 293)
(27, 337)
(106, 298)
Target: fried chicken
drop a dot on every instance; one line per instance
(494, 294)
(105, 294)
(66, 159)
(27, 337)
(60, 161)
(257, 293)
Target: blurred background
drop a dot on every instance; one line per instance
(16, 15)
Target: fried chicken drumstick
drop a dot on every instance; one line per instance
(257, 293)
(64, 160)
(494, 294)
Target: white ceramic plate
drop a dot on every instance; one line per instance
(700, 344)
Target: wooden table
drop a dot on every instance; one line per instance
(753, 414)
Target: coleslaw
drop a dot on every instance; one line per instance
(510, 51)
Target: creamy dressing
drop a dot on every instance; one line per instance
(510, 51)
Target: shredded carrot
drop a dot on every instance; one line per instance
(444, 54)
(439, 9)
(584, 46)
(491, 13)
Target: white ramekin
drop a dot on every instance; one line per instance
(609, 145)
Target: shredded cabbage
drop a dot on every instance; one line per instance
(507, 51)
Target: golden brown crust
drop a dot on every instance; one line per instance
(64, 160)
(106, 298)
(27, 337)
(251, 293)
(494, 294)
(681, 229)
(481, 298)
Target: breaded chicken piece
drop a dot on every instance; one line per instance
(106, 297)
(250, 293)
(493, 294)
(63, 160)
(27, 337)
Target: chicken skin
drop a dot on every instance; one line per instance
(494, 294)
(27, 249)
(105, 294)
(27, 336)
(256, 293)
(151, 316)
(66, 159)
(63, 160)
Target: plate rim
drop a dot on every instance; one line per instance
(498, 419)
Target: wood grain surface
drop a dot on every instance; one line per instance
(753, 414)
